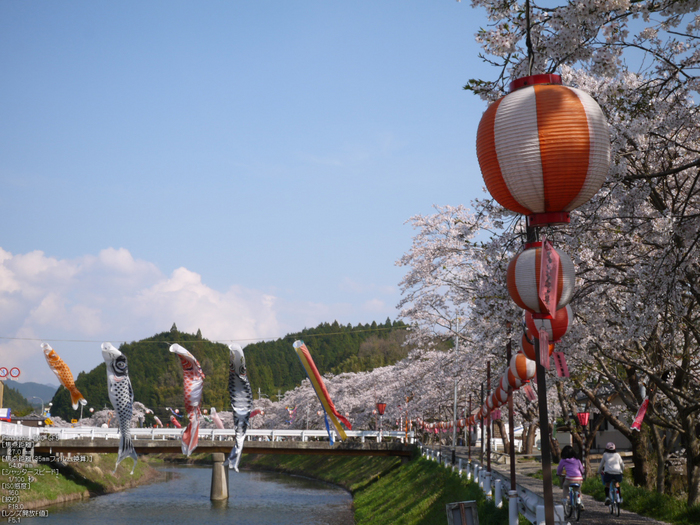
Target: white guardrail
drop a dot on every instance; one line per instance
(497, 487)
(256, 434)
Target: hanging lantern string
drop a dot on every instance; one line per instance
(528, 39)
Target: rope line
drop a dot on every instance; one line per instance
(378, 329)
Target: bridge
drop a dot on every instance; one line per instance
(93, 440)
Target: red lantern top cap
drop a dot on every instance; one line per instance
(547, 78)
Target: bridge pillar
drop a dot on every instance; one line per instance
(219, 478)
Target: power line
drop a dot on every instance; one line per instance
(53, 340)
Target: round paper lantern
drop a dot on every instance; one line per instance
(529, 350)
(491, 402)
(556, 327)
(514, 381)
(522, 367)
(502, 396)
(543, 149)
(523, 279)
(503, 383)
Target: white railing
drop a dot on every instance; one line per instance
(496, 486)
(17, 430)
(7, 429)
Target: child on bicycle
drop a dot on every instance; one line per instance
(572, 466)
(612, 467)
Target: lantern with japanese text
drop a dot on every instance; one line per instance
(524, 275)
(543, 149)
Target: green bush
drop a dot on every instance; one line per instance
(646, 502)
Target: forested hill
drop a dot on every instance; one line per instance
(17, 402)
(156, 374)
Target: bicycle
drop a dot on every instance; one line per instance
(615, 498)
(572, 504)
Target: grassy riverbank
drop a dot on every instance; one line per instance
(52, 483)
(385, 491)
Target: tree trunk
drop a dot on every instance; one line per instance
(659, 442)
(642, 474)
(691, 440)
(530, 439)
(556, 450)
(504, 435)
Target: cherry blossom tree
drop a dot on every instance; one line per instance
(635, 244)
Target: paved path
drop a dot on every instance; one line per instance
(595, 512)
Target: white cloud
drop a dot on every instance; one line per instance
(112, 296)
(75, 304)
(348, 285)
(375, 306)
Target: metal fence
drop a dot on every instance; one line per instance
(16, 430)
(497, 487)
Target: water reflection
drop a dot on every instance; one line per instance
(256, 498)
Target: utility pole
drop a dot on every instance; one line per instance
(532, 235)
(488, 412)
(454, 420)
(469, 441)
(481, 451)
(511, 429)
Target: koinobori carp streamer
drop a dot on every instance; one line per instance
(60, 368)
(241, 401)
(122, 397)
(194, 386)
(321, 391)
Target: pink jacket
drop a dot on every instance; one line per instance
(574, 468)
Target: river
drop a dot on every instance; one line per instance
(256, 498)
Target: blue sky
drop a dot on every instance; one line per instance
(245, 168)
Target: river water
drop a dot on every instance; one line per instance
(255, 498)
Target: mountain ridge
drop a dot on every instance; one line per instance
(273, 366)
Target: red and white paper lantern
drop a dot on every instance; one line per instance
(543, 149)
(523, 279)
(502, 396)
(556, 328)
(529, 350)
(522, 367)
